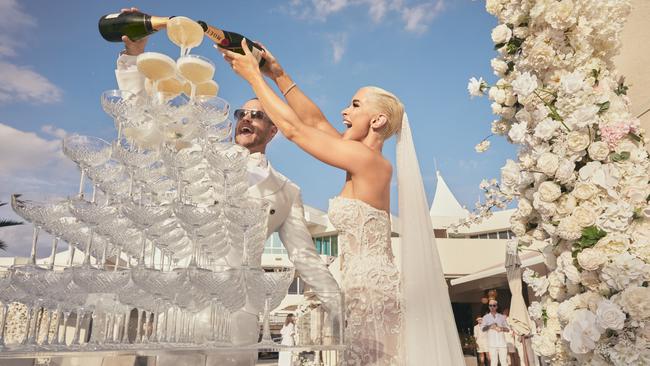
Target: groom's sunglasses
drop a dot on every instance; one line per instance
(254, 114)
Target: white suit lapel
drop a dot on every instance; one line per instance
(269, 185)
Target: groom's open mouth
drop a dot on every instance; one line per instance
(246, 130)
(347, 123)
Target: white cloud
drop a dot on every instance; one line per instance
(17, 82)
(418, 18)
(338, 43)
(31, 164)
(54, 131)
(13, 21)
(22, 83)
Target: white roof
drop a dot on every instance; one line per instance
(444, 202)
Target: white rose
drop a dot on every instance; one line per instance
(565, 205)
(549, 191)
(524, 85)
(577, 141)
(625, 270)
(520, 32)
(523, 116)
(517, 132)
(582, 333)
(501, 34)
(584, 191)
(591, 259)
(544, 343)
(497, 94)
(476, 87)
(583, 117)
(569, 229)
(584, 216)
(610, 315)
(507, 112)
(598, 150)
(535, 310)
(566, 309)
(546, 129)
(496, 108)
(613, 244)
(573, 82)
(616, 217)
(493, 6)
(524, 208)
(636, 302)
(510, 174)
(565, 172)
(499, 66)
(547, 163)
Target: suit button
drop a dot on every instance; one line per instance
(272, 211)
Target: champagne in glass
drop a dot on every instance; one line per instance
(195, 69)
(156, 66)
(185, 33)
(208, 88)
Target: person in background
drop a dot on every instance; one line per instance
(288, 333)
(481, 342)
(495, 325)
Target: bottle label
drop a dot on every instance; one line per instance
(111, 16)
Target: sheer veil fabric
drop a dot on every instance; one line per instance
(429, 330)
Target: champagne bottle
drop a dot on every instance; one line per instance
(135, 25)
(232, 41)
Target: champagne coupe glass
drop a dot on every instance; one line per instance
(134, 157)
(109, 171)
(156, 66)
(216, 133)
(179, 161)
(119, 105)
(274, 285)
(211, 110)
(86, 151)
(144, 214)
(251, 215)
(195, 69)
(229, 165)
(208, 89)
(185, 33)
(193, 216)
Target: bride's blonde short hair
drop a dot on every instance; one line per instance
(387, 103)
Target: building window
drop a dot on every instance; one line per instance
(327, 245)
(493, 235)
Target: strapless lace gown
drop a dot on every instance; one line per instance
(370, 282)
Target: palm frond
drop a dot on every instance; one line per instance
(2, 203)
(3, 245)
(6, 222)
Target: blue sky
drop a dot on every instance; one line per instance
(54, 65)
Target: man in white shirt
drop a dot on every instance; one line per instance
(495, 325)
(254, 130)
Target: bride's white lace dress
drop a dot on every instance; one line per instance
(370, 282)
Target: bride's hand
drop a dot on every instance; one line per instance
(271, 68)
(245, 65)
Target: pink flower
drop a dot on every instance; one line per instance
(612, 134)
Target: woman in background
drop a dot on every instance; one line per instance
(288, 333)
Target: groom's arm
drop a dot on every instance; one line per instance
(297, 240)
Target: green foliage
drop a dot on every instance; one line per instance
(618, 157)
(590, 236)
(604, 106)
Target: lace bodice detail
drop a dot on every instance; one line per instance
(370, 282)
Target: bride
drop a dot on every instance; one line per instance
(391, 318)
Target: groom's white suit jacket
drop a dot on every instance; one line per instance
(286, 213)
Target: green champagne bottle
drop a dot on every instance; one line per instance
(135, 25)
(232, 41)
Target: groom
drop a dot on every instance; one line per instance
(254, 130)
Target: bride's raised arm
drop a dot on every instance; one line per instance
(326, 147)
(305, 108)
